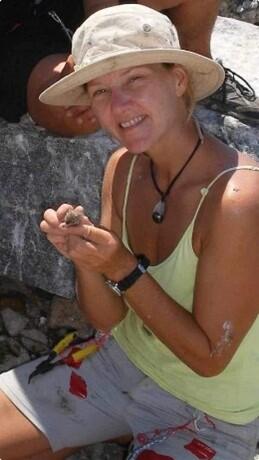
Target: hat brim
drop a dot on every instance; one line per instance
(206, 75)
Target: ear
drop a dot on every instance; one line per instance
(181, 79)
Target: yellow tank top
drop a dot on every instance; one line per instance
(232, 396)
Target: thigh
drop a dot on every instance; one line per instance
(20, 439)
(166, 428)
(18, 436)
(68, 407)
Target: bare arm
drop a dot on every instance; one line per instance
(102, 307)
(226, 293)
(91, 6)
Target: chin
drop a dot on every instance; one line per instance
(136, 146)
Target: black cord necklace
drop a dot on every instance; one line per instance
(158, 212)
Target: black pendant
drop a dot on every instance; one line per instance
(159, 212)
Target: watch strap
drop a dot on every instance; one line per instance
(121, 286)
(123, 2)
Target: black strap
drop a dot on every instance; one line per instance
(128, 281)
(122, 2)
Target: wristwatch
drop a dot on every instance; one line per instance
(119, 287)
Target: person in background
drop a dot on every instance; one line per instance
(169, 277)
(35, 41)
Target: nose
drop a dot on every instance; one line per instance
(120, 99)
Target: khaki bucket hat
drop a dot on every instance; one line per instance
(127, 36)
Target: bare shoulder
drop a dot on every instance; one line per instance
(114, 183)
(116, 171)
(232, 204)
(242, 186)
(233, 193)
(117, 162)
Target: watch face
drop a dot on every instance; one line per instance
(114, 286)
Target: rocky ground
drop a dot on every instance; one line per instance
(245, 10)
(31, 322)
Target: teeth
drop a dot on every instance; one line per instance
(133, 122)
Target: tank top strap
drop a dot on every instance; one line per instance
(126, 194)
(205, 190)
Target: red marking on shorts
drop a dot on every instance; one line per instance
(200, 450)
(77, 386)
(151, 455)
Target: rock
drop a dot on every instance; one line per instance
(66, 314)
(100, 451)
(3, 348)
(14, 322)
(236, 44)
(245, 10)
(15, 302)
(10, 287)
(34, 341)
(38, 171)
(14, 346)
(12, 361)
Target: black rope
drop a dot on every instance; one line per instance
(166, 193)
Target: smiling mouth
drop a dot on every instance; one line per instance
(133, 122)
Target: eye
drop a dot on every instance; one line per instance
(99, 92)
(135, 78)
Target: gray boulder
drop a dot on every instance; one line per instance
(39, 170)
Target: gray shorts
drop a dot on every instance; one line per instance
(108, 397)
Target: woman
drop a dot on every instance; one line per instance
(170, 275)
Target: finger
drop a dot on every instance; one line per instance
(97, 235)
(57, 239)
(50, 229)
(80, 249)
(68, 67)
(50, 217)
(79, 208)
(63, 250)
(76, 110)
(44, 226)
(62, 210)
(90, 233)
(81, 114)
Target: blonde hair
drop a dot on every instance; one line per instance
(188, 95)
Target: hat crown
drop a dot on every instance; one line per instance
(125, 36)
(122, 29)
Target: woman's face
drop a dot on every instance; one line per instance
(139, 105)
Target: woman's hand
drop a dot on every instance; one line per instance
(81, 115)
(52, 225)
(89, 247)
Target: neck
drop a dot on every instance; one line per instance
(171, 155)
(159, 209)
